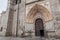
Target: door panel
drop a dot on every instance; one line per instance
(39, 27)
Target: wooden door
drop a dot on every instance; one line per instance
(39, 27)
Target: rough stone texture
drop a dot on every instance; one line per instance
(47, 26)
(33, 38)
(3, 25)
(22, 16)
(56, 12)
(10, 19)
(14, 22)
(20, 13)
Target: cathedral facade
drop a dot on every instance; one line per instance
(33, 17)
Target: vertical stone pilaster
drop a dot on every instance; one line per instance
(10, 18)
(22, 15)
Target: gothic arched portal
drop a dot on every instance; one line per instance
(39, 27)
(45, 17)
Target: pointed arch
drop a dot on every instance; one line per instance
(39, 8)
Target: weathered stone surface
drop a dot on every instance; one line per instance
(15, 19)
(28, 38)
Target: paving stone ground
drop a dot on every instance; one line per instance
(27, 38)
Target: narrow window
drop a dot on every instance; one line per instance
(18, 1)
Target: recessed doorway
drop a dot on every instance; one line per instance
(39, 27)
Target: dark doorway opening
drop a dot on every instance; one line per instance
(39, 27)
(42, 33)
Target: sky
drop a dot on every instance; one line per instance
(3, 5)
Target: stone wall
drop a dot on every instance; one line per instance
(10, 18)
(15, 22)
(55, 9)
(3, 25)
(48, 26)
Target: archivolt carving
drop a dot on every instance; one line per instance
(38, 8)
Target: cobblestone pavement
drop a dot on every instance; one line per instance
(27, 38)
